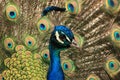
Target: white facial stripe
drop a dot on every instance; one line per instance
(68, 39)
(57, 37)
(62, 32)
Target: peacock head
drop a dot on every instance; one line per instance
(61, 37)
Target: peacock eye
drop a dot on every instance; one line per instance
(62, 37)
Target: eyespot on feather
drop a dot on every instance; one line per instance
(73, 6)
(9, 44)
(12, 12)
(93, 77)
(112, 66)
(112, 6)
(45, 54)
(44, 25)
(115, 35)
(68, 66)
(30, 41)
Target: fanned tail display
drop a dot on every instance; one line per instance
(29, 31)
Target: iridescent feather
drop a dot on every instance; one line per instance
(25, 34)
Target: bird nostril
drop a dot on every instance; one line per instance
(74, 43)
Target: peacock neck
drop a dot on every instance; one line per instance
(55, 70)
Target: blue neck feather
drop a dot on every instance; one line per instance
(55, 70)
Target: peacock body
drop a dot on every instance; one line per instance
(25, 34)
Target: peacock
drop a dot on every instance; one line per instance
(60, 39)
(37, 39)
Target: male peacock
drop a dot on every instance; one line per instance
(25, 35)
(60, 39)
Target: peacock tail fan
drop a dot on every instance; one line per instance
(25, 34)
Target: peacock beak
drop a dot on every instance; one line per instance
(74, 44)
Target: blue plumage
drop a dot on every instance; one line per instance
(51, 8)
(12, 14)
(111, 65)
(60, 39)
(116, 35)
(70, 7)
(111, 3)
(55, 46)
